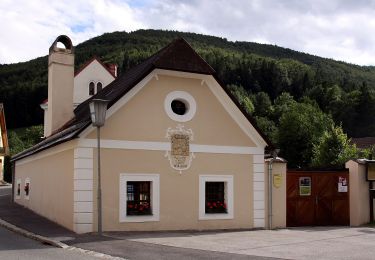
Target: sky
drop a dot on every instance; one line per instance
(338, 29)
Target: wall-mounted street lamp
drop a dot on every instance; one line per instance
(98, 109)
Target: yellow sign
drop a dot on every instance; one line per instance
(277, 180)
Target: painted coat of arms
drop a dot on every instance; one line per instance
(180, 156)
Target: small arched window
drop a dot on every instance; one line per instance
(99, 86)
(91, 88)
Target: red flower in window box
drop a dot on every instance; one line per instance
(27, 189)
(130, 206)
(224, 205)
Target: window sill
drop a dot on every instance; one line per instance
(215, 216)
(140, 218)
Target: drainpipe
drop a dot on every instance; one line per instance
(274, 155)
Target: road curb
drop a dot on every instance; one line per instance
(32, 235)
(53, 242)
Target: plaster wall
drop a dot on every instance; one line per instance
(51, 184)
(278, 195)
(359, 194)
(60, 90)
(179, 193)
(144, 119)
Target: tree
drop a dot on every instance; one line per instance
(262, 104)
(268, 127)
(282, 104)
(301, 127)
(242, 97)
(333, 149)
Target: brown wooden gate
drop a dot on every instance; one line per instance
(317, 198)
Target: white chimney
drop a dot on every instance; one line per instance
(60, 84)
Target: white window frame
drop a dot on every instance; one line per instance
(229, 196)
(27, 180)
(18, 182)
(191, 106)
(155, 196)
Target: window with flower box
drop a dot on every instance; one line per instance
(27, 188)
(18, 188)
(216, 197)
(139, 197)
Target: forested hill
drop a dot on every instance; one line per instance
(256, 73)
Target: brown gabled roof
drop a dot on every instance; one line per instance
(177, 56)
(363, 142)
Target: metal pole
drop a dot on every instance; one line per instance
(99, 187)
(270, 194)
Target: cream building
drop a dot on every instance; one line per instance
(178, 152)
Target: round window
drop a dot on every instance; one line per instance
(180, 106)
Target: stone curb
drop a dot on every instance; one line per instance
(31, 235)
(53, 242)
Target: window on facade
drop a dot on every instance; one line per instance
(91, 88)
(27, 189)
(99, 87)
(215, 198)
(138, 198)
(18, 189)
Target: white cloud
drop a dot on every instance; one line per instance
(28, 28)
(339, 29)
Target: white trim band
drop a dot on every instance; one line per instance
(166, 146)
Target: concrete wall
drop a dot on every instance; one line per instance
(51, 184)
(278, 195)
(359, 193)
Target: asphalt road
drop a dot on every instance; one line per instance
(16, 247)
(5, 190)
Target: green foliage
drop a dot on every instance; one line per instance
(288, 92)
(282, 105)
(268, 127)
(262, 104)
(19, 140)
(23, 138)
(243, 97)
(255, 67)
(333, 149)
(300, 129)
